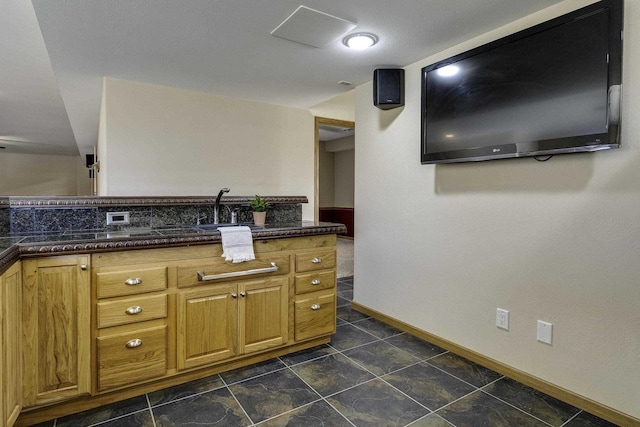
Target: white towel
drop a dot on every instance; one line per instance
(237, 244)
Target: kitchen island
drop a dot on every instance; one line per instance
(108, 314)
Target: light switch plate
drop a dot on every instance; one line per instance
(545, 332)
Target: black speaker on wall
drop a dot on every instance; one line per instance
(388, 88)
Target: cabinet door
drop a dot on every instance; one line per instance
(11, 373)
(263, 314)
(207, 325)
(56, 328)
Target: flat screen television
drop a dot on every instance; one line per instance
(552, 88)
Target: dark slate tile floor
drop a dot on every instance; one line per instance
(371, 374)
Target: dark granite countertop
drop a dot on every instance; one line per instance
(76, 201)
(14, 247)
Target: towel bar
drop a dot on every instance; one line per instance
(202, 277)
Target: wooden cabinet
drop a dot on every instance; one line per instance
(149, 319)
(56, 328)
(315, 301)
(207, 325)
(263, 314)
(188, 270)
(130, 357)
(316, 260)
(131, 330)
(217, 322)
(130, 280)
(315, 281)
(315, 314)
(124, 311)
(11, 345)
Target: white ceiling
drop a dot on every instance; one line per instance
(329, 133)
(51, 69)
(32, 115)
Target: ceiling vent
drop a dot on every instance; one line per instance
(312, 27)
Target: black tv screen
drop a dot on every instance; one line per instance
(553, 88)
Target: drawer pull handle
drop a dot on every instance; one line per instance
(234, 295)
(315, 307)
(134, 309)
(132, 281)
(243, 294)
(315, 282)
(316, 260)
(83, 267)
(134, 343)
(202, 277)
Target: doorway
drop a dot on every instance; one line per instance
(334, 195)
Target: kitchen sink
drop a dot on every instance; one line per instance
(214, 227)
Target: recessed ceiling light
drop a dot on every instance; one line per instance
(360, 41)
(345, 83)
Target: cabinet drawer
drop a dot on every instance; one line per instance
(312, 282)
(123, 361)
(315, 315)
(130, 281)
(131, 310)
(316, 260)
(188, 274)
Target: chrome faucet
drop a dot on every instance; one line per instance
(216, 207)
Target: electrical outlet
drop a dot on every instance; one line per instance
(114, 218)
(502, 318)
(545, 332)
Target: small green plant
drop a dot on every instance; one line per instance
(259, 204)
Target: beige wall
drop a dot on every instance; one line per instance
(557, 241)
(42, 175)
(101, 153)
(83, 181)
(343, 178)
(337, 172)
(326, 177)
(341, 107)
(164, 141)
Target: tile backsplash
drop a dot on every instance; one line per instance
(39, 220)
(4, 220)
